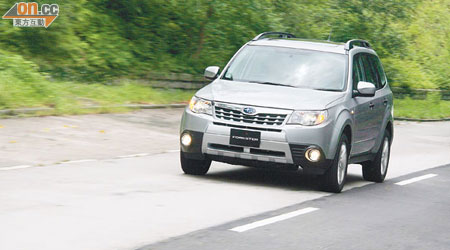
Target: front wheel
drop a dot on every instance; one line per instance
(376, 170)
(334, 179)
(194, 167)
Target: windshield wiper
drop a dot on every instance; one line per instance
(273, 83)
(333, 90)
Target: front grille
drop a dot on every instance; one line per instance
(238, 116)
(246, 127)
(255, 151)
(226, 148)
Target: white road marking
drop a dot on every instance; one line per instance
(86, 160)
(133, 155)
(419, 178)
(16, 167)
(172, 151)
(77, 161)
(274, 219)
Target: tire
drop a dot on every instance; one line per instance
(376, 170)
(334, 179)
(194, 167)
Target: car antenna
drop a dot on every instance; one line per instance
(329, 36)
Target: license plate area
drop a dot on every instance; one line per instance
(245, 138)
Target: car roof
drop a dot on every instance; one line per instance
(325, 46)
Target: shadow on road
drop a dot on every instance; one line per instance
(275, 178)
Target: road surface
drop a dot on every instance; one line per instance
(114, 182)
(388, 216)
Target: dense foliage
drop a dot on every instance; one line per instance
(102, 39)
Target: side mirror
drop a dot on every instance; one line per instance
(365, 89)
(211, 72)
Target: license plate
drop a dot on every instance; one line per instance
(245, 138)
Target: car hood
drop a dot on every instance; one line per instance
(264, 95)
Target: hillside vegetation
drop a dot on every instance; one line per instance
(97, 41)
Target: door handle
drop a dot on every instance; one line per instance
(385, 102)
(371, 105)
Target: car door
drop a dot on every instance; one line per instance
(363, 139)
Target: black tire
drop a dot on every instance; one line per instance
(373, 170)
(330, 180)
(194, 167)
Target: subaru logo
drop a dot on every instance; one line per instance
(249, 111)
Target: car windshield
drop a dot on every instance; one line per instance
(289, 67)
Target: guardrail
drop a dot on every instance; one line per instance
(193, 82)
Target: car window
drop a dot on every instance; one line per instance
(379, 69)
(357, 72)
(373, 67)
(369, 72)
(289, 67)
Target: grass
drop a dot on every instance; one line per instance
(430, 108)
(69, 97)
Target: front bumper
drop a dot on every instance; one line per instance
(285, 144)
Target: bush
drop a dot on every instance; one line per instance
(98, 40)
(19, 80)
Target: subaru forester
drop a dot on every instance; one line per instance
(287, 103)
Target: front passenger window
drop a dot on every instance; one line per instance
(380, 72)
(369, 73)
(357, 75)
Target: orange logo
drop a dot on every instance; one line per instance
(29, 14)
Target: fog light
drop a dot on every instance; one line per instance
(313, 154)
(186, 139)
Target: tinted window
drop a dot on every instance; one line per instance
(381, 75)
(373, 67)
(369, 71)
(287, 66)
(357, 72)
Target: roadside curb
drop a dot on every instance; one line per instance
(13, 112)
(23, 111)
(141, 106)
(420, 120)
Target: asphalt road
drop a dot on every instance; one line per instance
(114, 182)
(386, 216)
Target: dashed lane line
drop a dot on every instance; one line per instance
(78, 161)
(15, 167)
(274, 219)
(132, 155)
(415, 179)
(172, 151)
(289, 215)
(89, 160)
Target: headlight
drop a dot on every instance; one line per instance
(200, 106)
(308, 118)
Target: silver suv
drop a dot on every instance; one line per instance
(288, 103)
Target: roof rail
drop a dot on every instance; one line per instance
(280, 35)
(362, 43)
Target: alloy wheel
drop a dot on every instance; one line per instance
(342, 164)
